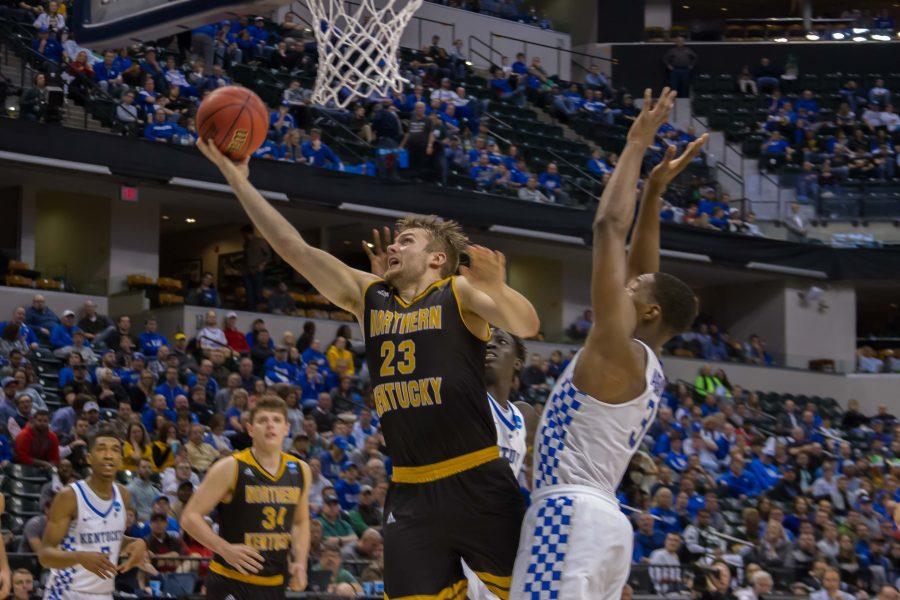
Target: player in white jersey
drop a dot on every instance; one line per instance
(85, 533)
(575, 542)
(515, 421)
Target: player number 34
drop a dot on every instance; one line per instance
(405, 355)
(273, 516)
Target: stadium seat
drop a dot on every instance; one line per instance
(23, 489)
(27, 473)
(22, 506)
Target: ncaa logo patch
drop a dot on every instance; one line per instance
(292, 466)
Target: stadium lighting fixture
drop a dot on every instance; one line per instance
(881, 37)
(685, 7)
(538, 235)
(859, 38)
(813, 37)
(166, 217)
(190, 220)
(780, 40)
(837, 35)
(858, 30)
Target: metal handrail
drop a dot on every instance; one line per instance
(485, 44)
(614, 61)
(325, 114)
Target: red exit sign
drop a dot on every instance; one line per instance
(128, 193)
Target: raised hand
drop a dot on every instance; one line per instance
(228, 167)
(669, 168)
(487, 268)
(652, 116)
(377, 253)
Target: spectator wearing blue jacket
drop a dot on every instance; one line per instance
(312, 383)
(504, 91)
(40, 317)
(483, 173)
(767, 474)
(598, 165)
(26, 333)
(150, 340)
(317, 154)
(48, 47)
(646, 539)
(551, 182)
(171, 387)
(314, 354)
(675, 458)
(160, 130)
(157, 409)
(61, 335)
(668, 521)
(281, 121)
(279, 369)
(738, 483)
(108, 74)
(269, 150)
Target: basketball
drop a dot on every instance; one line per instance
(235, 119)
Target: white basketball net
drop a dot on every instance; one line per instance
(358, 46)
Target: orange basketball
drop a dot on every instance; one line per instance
(235, 119)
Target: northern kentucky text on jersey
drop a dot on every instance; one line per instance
(271, 494)
(407, 394)
(391, 322)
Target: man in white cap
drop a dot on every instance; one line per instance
(61, 335)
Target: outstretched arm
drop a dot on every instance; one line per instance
(643, 257)
(609, 367)
(338, 282)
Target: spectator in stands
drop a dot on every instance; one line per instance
(36, 444)
(346, 488)
(339, 356)
(143, 490)
(551, 182)
(680, 61)
(317, 153)
(257, 255)
(796, 224)
(531, 192)
(665, 571)
(831, 587)
(26, 333)
(338, 578)
(40, 318)
(808, 184)
(31, 541)
(162, 130)
(50, 49)
(109, 76)
(503, 90)
(96, 327)
(595, 80)
(200, 454)
(768, 76)
(646, 539)
(162, 543)
(879, 95)
(205, 294)
(236, 340)
(10, 341)
(333, 523)
(151, 340)
(22, 585)
(580, 327)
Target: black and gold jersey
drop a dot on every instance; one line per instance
(428, 385)
(260, 514)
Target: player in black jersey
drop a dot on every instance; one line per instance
(261, 499)
(452, 497)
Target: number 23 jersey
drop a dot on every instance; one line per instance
(427, 373)
(583, 441)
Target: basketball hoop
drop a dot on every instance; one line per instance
(358, 48)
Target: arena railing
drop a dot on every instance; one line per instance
(25, 49)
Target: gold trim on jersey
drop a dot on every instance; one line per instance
(423, 293)
(459, 307)
(220, 569)
(496, 584)
(445, 468)
(457, 591)
(246, 456)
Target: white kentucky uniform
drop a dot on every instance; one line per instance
(511, 438)
(98, 526)
(575, 542)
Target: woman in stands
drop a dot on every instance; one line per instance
(10, 340)
(137, 447)
(164, 447)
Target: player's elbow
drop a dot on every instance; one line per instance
(609, 224)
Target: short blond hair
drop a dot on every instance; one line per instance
(446, 236)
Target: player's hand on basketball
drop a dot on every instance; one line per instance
(376, 250)
(243, 558)
(135, 553)
(298, 577)
(652, 116)
(669, 168)
(487, 268)
(228, 167)
(98, 564)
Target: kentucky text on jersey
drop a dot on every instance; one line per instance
(509, 454)
(99, 537)
(268, 541)
(407, 394)
(271, 494)
(387, 322)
